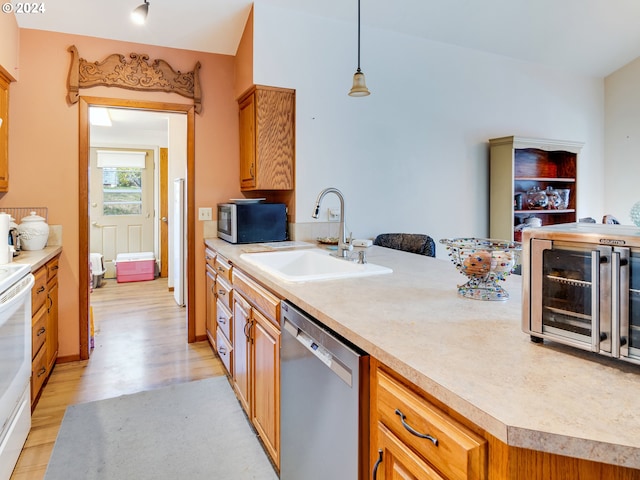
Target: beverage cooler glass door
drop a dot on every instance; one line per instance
(565, 303)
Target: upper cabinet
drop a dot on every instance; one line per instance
(4, 132)
(267, 138)
(531, 178)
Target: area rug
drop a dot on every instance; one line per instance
(194, 430)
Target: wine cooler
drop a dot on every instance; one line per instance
(581, 287)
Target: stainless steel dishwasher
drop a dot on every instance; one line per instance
(324, 402)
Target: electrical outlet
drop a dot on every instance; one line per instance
(334, 214)
(204, 213)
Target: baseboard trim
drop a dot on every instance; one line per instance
(68, 359)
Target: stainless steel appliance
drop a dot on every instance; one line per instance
(15, 362)
(323, 429)
(250, 221)
(581, 287)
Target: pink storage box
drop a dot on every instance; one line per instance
(135, 267)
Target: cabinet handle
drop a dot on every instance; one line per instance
(40, 290)
(247, 329)
(42, 371)
(207, 257)
(222, 320)
(414, 432)
(221, 292)
(50, 303)
(220, 269)
(55, 268)
(375, 467)
(41, 331)
(251, 174)
(222, 351)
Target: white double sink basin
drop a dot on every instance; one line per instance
(310, 265)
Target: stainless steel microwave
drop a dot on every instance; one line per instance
(581, 287)
(255, 222)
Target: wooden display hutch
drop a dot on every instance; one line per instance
(519, 164)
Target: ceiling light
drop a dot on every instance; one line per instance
(99, 117)
(139, 14)
(359, 88)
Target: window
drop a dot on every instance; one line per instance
(122, 191)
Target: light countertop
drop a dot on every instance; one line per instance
(37, 258)
(473, 356)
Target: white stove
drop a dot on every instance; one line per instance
(15, 362)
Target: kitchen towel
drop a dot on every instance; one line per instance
(5, 254)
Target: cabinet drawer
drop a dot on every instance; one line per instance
(264, 300)
(39, 289)
(459, 452)
(223, 292)
(210, 257)
(38, 330)
(38, 372)
(224, 349)
(223, 267)
(224, 320)
(52, 269)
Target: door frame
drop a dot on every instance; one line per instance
(83, 206)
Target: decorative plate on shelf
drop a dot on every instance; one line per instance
(327, 240)
(247, 200)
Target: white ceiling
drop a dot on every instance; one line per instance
(592, 37)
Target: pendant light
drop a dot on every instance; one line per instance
(359, 88)
(139, 14)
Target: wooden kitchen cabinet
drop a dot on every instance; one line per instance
(413, 438)
(52, 312)
(518, 164)
(242, 323)
(257, 376)
(267, 138)
(210, 309)
(4, 132)
(44, 324)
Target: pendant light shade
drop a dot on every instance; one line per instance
(139, 14)
(359, 88)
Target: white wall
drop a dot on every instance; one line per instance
(413, 156)
(622, 141)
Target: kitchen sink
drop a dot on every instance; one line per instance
(310, 265)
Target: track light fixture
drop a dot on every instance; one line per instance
(139, 14)
(359, 88)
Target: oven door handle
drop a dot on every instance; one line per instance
(12, 297)
(620, 297)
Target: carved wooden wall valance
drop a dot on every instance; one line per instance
(134, 74)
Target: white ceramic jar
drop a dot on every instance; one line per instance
(34, 232)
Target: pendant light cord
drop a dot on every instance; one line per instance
(358, 36)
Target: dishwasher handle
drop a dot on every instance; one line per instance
(320, 352)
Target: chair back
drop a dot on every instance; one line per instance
(408, 242)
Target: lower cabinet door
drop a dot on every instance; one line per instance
(393, 460)
(266, 384)
(241, 331)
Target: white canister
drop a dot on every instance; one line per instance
(34, 232)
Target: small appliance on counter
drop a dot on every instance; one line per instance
(581, 287)
(252, 221)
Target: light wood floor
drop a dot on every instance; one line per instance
(140, 344)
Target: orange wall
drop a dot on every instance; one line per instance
(9, 45)
(244, 58)
(43, 145)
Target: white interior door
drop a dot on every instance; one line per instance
(121, 196)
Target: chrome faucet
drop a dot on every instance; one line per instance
(344, 245)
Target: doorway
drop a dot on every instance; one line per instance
(85, 205)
